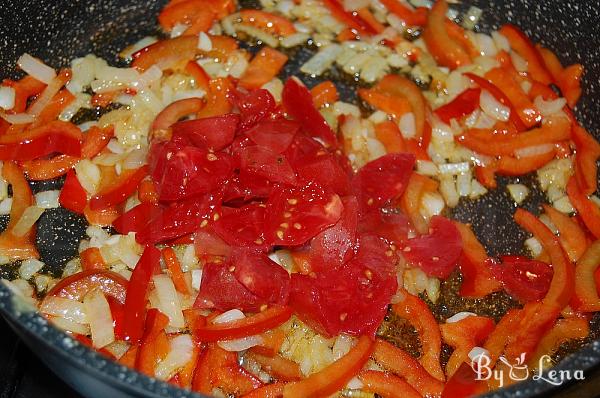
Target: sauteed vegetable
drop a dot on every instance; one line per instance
(251, 236)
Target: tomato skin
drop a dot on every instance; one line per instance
(214, 133)
(208, 243)
(325, 170)
(135, 219)
(524, 279)
(351, 299)
(260, 162)
(294, 215)
(254, 107)
(72, 195)
(382, 180)
(76, 286)
(335, 245)
(274, 134)
(437, 253)
(388, 224)
(298, 102)
(243, 227)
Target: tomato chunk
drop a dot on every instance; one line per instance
(523, 278)
(295, 215)
(437, 253)
(382, 180)
(213, 133)
(276, 135)
(388, 224)
(262, 162)
(254, 106)
(243, 227)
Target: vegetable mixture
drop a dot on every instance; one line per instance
(249, 236)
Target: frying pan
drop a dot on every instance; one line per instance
(60, 30)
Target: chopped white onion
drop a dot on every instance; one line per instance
(29, 268)
(151, 75)
(169, 300)
(70, 326)
(178, 29)
(229, 316)
(519, 62)
(427, 168)
(478, 352)
(36, 68)
(492, 107)
(459, 316)
(180, 353)
(548, 108)
(128, 52)
(7, 97)
(258, 34)
(71, 310)
(322, 60)
(196, 278)
(534, 150)
(17, 118)
(564, 205)
(242, 344)
(47, 199)
(500, 41)
(135, 159)
(486, 45)
(294, 39)
(88, 175)
(118, 348)
(534, 246)
(454, 168)
(29, 217)
(407, 124)
(355, 384)
(204, 42)
(99, 317)
(45, 96)
(432, 204)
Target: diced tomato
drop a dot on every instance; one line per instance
(179, 219)
(208, 243)
(214, 133)
(464, 104)
(335, 245)
(389, 224)
(523, 278)
(437, 253)
(382, 180)
(260, 162)
(135, 219)
(352, 298)
(298, 102)
(324, 169)
(295, 215)
(243, 227)
(254, 106)
(76, 286)
(276, 135)
(72, 195)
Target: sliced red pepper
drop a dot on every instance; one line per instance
(386, 384)
(175, 272)
(123, 187)
(249, 326)
(269, 22)
(572, 236)
(279, 367)
(411, 200)
(324, 93)
(76, 286)
(414, 310)
(197, 13)
(587, 210)
(166, 54)
(56, 136)
(47, 169)
(446, 51)
(148, 354)
(92, 259)
(498, 338)
(588, 152)
(354, 22)
(586, 292)
(464, 384)
(515, 166)
(564, 330)
(404, 365)
(136, 219)
(273, 390)
(137, 290)
(265, 65)
(477, 278)
(298, 103)
(25, 88)
(103, 217)
(562, 285)
(147, 192)
(416, 17)
(335, 376)
(463, 336)
(12, 246)
(201, 78)
(464, 104)
(171, 115)
(520, 43)
(390, 104)
(217, 98)
(72, 195)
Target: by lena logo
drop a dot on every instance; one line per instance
(519, 370)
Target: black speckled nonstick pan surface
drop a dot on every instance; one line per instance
(58, 31)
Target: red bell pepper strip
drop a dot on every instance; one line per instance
(417, 186)
(174, 268)
(271, 344)
(56, 136)
(463, 336)
(218, 102)
(477, 278)
(12, 246)
(562, 285)
(171, 115)
(166, 54)
(92, 259)
(76, 286)
(404, 365)
(505, 81)
(324, 93)
(500, 96)
(277, 366)
(491, 143)
(520, 43)
(270, 23)
(497, 339)
(335, 376)
(588, 152)
(124, 186)
(249, 326)
(486, 175)
(298, 103)
(135, 302)
(564, 330)
(586, 292)
(200, 76)
(392, 105)
(149, 353)
(515, 166)
(190, 12)
(274, 390)
(136, 218)
(72, 195)
(464, 104)
(46, 169)
(415, 311)
(464, 383)
(354, 22)
(54, 108)
(265, 65)
(567, 79)
(390, 136)
(572, 237)
(386, 385)
(25, 88)
(587, 210)
(446, 51)
(416, 17)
